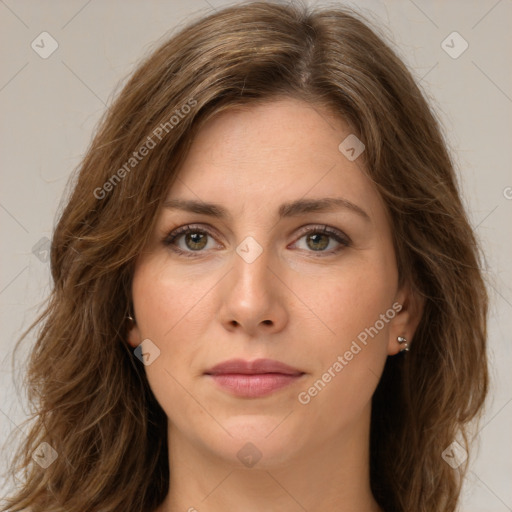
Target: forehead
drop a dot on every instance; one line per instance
(272, 153)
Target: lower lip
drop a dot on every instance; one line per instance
(255, 385)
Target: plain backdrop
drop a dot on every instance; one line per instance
(50, 107)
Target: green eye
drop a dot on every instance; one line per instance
(319, 241)
(195, 241)
(192, 240)
(319, 238)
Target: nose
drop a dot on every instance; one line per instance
(253, 298)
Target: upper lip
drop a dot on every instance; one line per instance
(258, 366)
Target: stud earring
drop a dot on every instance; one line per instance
(402, 341)
(130, 317)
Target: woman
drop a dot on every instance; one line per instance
(266, 290)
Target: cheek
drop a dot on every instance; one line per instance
(356, 310)
(350, 298)
(163, 304)
(166, 305)
(165, 300)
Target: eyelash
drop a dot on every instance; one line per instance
(170, 239)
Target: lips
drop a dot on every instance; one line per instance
(253, 379)
(256, 367)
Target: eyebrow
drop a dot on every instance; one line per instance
(290, 209)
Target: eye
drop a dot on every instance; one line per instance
(320, 238)
(188, 240)
(192, 240)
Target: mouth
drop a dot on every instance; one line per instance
(253, 379)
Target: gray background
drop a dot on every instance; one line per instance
(50, 108)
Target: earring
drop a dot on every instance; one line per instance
(130, 317)
(401, 340)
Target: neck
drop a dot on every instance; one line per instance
(330, 476)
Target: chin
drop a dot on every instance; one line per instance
(259, 442)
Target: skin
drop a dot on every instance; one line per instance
(298, 302)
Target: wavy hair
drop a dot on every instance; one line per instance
(90, 399)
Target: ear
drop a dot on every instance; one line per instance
(134, 338)
(407, 318)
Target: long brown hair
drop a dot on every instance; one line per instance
(91, 401)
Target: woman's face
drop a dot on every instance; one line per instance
(268, 270)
